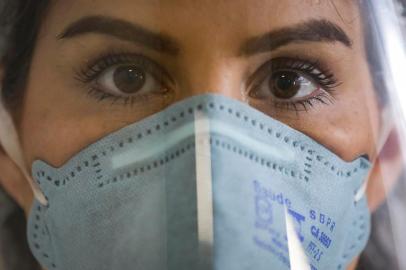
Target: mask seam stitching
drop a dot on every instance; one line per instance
(231, 111)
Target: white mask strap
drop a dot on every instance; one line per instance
(10, 143)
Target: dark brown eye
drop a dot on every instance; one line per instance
(285, 84)
(129, 79)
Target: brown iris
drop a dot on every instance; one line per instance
(129, 79)
(285, 84)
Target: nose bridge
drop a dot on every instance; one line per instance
(216, 74)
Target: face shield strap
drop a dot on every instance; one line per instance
(10, 143)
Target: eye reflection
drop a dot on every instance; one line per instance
(292, 84)
(129, 79)
(286, 82)
(285, 85)
(125, 78)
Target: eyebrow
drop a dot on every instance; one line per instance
(122, 30)
(309, 31)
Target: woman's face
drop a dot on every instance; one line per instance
(101, 65)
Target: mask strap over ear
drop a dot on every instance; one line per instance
(386, 129)
(10, 142)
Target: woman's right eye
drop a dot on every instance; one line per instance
(125, 76)
(128, 80)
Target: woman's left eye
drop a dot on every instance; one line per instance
(290, 82)
(285, 85)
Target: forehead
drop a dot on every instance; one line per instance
(214, 16)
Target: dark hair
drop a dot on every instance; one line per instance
(20, 21)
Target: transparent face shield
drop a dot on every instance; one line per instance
(245, 150)
(387, 54)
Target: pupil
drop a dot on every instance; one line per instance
(285, 84)
(129, 79)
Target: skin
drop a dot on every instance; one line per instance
(57, 108)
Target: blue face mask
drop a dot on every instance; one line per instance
(208, 183)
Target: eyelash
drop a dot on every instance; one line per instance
(88, 74)
(311, 69)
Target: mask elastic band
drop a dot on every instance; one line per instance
(10, 143)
